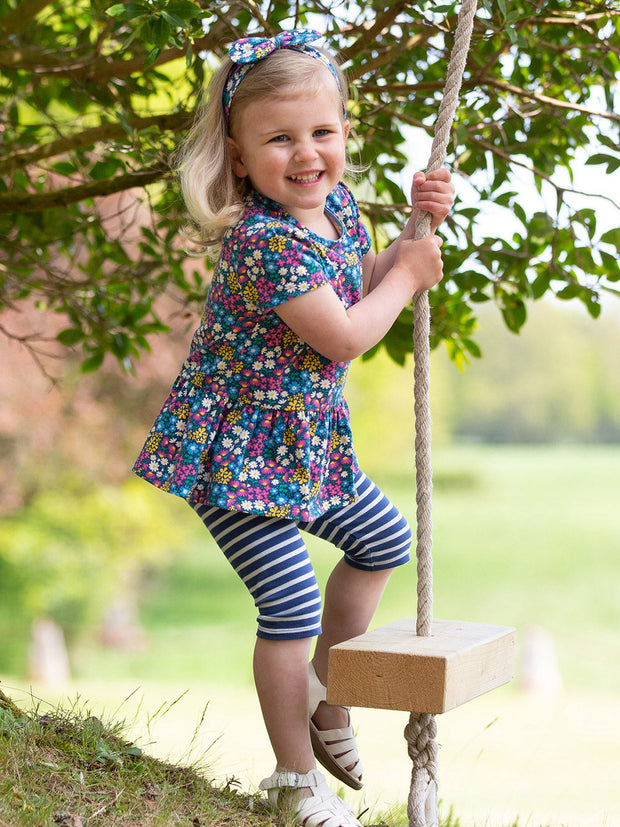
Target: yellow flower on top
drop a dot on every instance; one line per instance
(152, 443)
(312, 361)
(301, 475)
(290, 339)
(222, 475)
(199, 435)
(277, 244)
(295, 402)
(225, 351)
(250, 294)
(233, 281)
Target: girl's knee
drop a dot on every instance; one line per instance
(288, 614)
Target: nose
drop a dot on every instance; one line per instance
(305, 150)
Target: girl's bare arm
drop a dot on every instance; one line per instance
(321, 320)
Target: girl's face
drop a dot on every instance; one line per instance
(292, 149)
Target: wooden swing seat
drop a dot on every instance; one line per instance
(393, 668)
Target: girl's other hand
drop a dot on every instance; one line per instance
(434, 193)
(421, 262)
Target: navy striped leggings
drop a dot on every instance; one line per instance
(270, 556)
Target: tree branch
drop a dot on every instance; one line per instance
(371, 34)
(88, 137)
(553, 102)
(386, 57)
(578, 18)
(95, 67)
(512, 160)
(32, 57)
(15, 19)
(13, 202)
(477, 82)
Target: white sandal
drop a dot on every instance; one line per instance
(336, 749)
(323, 808)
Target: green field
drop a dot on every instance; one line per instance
(523, 536)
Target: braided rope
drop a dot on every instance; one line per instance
(421, 729)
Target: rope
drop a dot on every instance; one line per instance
(421, 730)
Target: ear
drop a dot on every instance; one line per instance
(346, 128)
(236, 161)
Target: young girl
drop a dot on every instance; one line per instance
(255, 433)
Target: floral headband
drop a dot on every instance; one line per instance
(248, 51)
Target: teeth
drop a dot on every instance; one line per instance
(306, 179)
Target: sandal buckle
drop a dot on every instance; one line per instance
(288, 779)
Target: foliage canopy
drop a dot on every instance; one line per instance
(94, 96)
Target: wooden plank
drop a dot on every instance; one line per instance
(392, 668)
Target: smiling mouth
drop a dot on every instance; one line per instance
(309, 178)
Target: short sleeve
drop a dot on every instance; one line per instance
(282, 265)
(349, 211)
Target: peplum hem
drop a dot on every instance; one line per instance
(235, 454)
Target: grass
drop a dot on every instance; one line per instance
(70, 768)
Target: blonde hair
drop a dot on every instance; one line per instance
(213, 194)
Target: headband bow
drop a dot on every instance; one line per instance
(253, 49)
(248, 51)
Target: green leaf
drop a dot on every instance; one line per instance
(105, 169)
(600, 158)
(608, 142)
(571, 291)
(94, 362)
(612, 237)
(173, 19)
(127, 10)
(122, 119)
(70, 336)
(157, 31)
(151, 57)
(593, 306)
(64, 168)
(117, 10)
(185, 9)
(473, 348)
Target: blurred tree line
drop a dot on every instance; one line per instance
(558, 381)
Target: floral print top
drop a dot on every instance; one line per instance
(256, 420)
